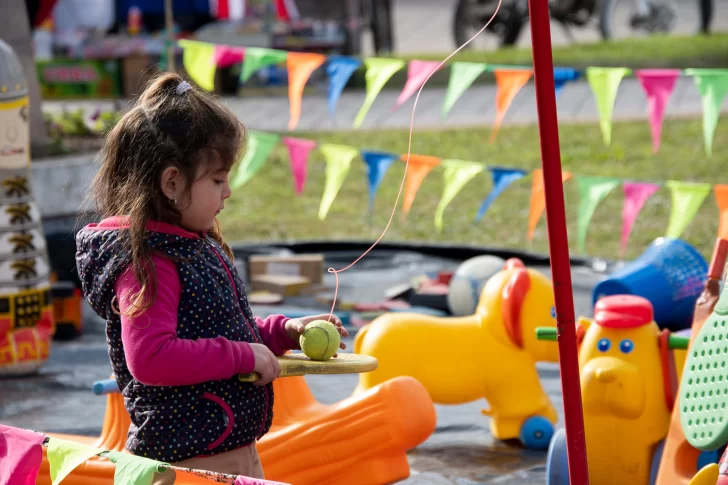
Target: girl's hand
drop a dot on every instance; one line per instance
(266, 364)
(296, 326)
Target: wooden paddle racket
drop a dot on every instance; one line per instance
(300, 364)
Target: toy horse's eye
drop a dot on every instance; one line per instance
(604, 344)
(553, 312)
(626, 346)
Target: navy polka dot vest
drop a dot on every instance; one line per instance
(175, 423)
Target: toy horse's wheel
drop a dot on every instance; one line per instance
(536, 433)
(557, 465)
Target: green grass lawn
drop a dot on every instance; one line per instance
(654, 51)
(268, 208)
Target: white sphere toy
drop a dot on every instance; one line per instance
(468, 281)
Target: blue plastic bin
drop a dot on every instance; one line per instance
(671, 274)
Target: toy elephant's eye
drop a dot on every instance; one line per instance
(604, 344)
(626, 346)
(553, 312)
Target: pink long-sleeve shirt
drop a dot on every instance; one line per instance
(155, 355)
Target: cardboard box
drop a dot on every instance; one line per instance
(310, 266)
(285, 285)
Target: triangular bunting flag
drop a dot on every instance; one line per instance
(562, 76)
(419, 167)
(339, 70)
(226, 55)
(538, 199)
(604, 82)
(417, 74)
(134, 470)
(338, 161)
(721, 198)
(377, 165)
(379, 70)
(462, 76)
(635, 196)
(592, 190)
(20, 455)
(198, 59)
(713, 86)
(65, 456)
(300, 67)
(298, 152)
(502, 178)
(687, 197)
(457, 174)
(257, 58)
(658, 85)
(509, 82)
(260, 146)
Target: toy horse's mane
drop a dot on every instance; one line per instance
(514, 293)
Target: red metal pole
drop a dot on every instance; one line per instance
(548, 128)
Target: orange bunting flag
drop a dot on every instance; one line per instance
(538, 199)
(509, 82)
(419, 167)
(721, 197)
(300, 67)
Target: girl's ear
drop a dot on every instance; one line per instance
(171, 185)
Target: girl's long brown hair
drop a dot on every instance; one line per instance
(189, 130)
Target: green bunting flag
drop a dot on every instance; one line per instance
(687, 197)
(462, 76)
(592, 190)
(257, 58)
(260, 146)
(713, 86)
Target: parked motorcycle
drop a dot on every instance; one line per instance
(640, 16)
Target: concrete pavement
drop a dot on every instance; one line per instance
(475, 108)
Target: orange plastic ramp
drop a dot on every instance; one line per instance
(679, 459)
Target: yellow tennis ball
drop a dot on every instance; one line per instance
(320, 340)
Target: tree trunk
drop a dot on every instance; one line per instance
(16, 31)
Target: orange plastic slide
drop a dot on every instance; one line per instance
(361, 440)
(679, 460)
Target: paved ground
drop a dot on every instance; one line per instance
(461, 451)
(475, 108)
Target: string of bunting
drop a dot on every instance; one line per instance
(23, 455)
(202, 59)
(687, 197)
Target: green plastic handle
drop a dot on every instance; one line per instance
(678, 342)
(546, 333)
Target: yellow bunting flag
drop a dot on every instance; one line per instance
(457, 174)
(338, 161)
(198, 59)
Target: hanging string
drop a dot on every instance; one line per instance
(406, 166)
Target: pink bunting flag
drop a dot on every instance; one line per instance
(226, 56)
(635, 196)
(417, 73)
(658, 85)
(298, 151)
(20, 456)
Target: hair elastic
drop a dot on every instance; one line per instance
(183, 87)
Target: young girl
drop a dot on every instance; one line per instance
(157, 269)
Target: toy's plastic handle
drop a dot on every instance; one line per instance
(678, 342)
(720, 253)
(546, 333)
(107, 386)
(252, 377)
